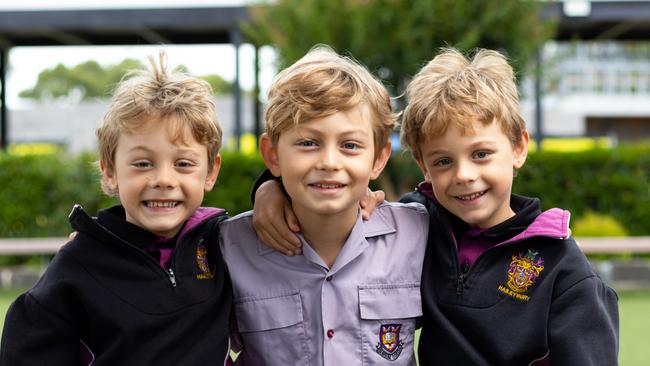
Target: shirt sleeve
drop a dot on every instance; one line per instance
(262, 178)
(34, 335)
(584, 325)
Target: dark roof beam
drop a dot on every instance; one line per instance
(152, 36)
(65, 38)
(618, 30)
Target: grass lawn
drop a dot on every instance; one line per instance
(634, 309)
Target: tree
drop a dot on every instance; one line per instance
(89, 80)
(394, 38)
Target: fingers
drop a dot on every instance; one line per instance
(369, 202)
(274, 221)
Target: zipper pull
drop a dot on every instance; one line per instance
(459, 286)
(172, 277)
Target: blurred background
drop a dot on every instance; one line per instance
(583, 69)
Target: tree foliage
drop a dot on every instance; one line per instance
(394, 38)
(90, 80)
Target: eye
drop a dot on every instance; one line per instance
(481, 154)
(306, 143)
(185, 164)
(351, 146)
(141, 164)
(442, 162)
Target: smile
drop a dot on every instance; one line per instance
(327, 186)
(157, 204)
(471, 197)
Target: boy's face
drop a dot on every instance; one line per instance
(326, 163)
(471, 175)
(160, 182)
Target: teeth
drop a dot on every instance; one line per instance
(168, 204)
(327, 186)
(470, 197)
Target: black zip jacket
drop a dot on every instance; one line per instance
(532, 299)
(104, 300)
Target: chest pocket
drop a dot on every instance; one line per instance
(388, 316)
(272, 330)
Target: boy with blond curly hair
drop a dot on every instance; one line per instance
(506, 284)
(143, 283)
(350, 299)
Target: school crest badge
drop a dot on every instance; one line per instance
(390, 346)
(202, 262)
(524, 269)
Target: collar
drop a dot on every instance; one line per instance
(354, 245)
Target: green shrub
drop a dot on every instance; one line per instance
(597, 224)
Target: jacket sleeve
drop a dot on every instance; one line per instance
(34, 335)
(584, 325)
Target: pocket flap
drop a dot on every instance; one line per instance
(392, 301)
(257, 314)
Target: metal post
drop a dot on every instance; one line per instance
(236, 39)
(257, 108)
(539, 133)
(4, 54)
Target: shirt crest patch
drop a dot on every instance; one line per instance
(522, 273)
(207, 273)
(389, 346)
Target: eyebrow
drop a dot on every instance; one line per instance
(353, 131)
(474, 145)
(148, 150)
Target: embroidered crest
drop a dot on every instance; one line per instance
(389, 346)
(522, 273)
(207, 273)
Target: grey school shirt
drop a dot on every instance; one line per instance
(362, 311)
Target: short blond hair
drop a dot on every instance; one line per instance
(322, 83)
(451, 88)
(156, 96)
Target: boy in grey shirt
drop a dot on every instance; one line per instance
(350, 298)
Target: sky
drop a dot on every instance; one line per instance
(25, 63)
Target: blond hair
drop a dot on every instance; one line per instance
(157, 96)
(322, 83)
(454, 89)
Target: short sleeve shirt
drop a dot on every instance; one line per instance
(361, 311)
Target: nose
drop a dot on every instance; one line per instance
(329, 159)
(465, 172)
(163, 177)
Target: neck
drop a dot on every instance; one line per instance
(326, 234)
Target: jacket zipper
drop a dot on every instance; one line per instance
(172, 276)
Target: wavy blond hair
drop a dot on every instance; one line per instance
(158, 96)
(454, 89)
(322, 83)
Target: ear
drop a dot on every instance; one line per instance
(211, 179)
(380, 161)
(423, 169)
(108, 176)
(270, 155)
(521, 150)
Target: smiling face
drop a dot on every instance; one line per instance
(326, 163)
(471, 174)
(160, 182)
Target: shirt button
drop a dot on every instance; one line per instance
(464, 267)
(330, 333)
(328, 278)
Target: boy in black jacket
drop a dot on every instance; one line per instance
(144, 282)
(503, 283)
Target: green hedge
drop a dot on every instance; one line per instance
(38, 191)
